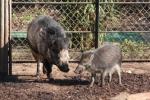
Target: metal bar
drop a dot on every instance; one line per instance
(76, 61)
(80, 2)
(124, 2)
(82, 42)
(52, 2)
(30, 61)
(10, 46)
(124, 31)
(33, 61)
(96, 23)
(65, 31)
(78, 31)
(92, 32)
(136, 60)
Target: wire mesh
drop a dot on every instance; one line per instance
(123, 21)
(128, 24)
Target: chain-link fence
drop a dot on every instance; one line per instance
(126, 22)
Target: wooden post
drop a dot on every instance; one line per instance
(6, 35)
(4, 38)
(1, 36)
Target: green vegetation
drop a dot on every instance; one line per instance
(135, 50)
(133, 45)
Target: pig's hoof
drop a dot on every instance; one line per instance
(97, 83)
(91, 85)
(120, 84)
(78, 78)
(38, 78)
(44, 71)
(102, 84)
(50, 78)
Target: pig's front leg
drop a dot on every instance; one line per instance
(92, 79)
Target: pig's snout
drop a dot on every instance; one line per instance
(79, 70)
(64, 67)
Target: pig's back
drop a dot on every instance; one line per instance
(107, 56)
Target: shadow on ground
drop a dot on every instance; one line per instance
(60, 82)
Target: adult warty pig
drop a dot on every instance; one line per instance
(105, 60)
(49, 44)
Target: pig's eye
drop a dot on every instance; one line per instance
(55, 51)
(85, 60)
(87, 66)
(80, 71)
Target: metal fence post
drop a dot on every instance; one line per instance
(96, 23)
(9, 37)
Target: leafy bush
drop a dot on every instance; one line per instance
(133, 49)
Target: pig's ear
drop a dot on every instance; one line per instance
(42, 33)
(91, 58)
(79, 56)
(67, 41)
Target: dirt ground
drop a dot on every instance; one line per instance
(22, 85)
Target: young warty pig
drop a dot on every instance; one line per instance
(105, 60)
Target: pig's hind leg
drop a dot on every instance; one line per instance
(118, 69)
(110, 76)
(104, 74)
